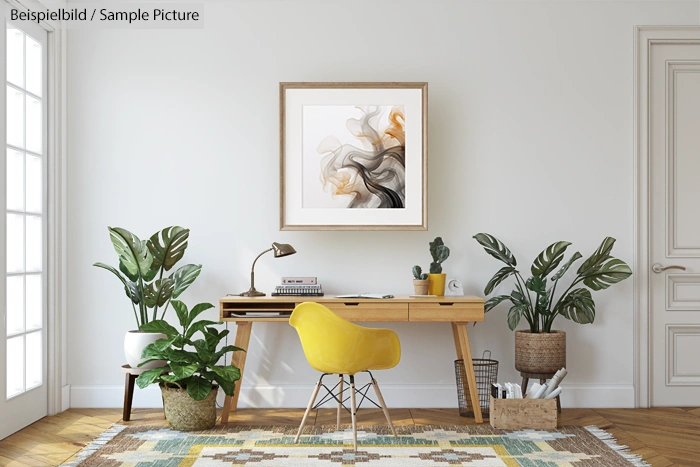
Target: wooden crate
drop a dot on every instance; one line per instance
(518, 414)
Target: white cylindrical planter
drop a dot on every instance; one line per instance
(135, 342)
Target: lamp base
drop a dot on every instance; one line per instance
(252, 293)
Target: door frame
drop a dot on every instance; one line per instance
(58, 395)
(645, 38)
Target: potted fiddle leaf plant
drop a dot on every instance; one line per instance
(142, 268)
(440, 252)
(540, 349)
(192, 376)
(420, 281)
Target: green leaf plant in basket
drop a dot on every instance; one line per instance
(189, 380)
(540, 349)
(143, 265)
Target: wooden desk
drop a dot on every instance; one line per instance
(459, 311)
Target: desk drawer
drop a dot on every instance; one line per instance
(369, 311)
(446, 311)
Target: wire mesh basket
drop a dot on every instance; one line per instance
(486, 372)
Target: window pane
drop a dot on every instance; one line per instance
(15, 366)
(34, 186)
(34, 244)
(15, 243)
(15, 117)
(15, 180)
(15, 304)
(34, 140)
(34, 307)
(15, 55)
(33, 67)
(34, 363)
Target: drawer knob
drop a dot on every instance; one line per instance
(352, 303)
(446, 304)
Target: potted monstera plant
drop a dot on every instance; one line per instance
(142, 268)
(192, 376)
(540, 349)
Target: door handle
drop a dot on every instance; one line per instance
(657, 268)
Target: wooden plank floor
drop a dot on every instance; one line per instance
(663, 436)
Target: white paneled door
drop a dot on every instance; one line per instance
(674, 154)
(23, 393)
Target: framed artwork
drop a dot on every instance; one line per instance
(353, 156)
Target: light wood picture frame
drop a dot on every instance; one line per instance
(353, 156)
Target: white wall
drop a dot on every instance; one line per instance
(530, 139)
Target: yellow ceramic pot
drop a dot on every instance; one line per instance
(437, 284)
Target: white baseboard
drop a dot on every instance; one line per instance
(65, 398)
(396, 396)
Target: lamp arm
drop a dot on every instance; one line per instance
(252, 268)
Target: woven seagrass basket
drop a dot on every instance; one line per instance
(186, 414)
(540, 352)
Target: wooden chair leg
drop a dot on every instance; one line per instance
(381, 401)
(353, 410)
(128, 396)
(340, 401)
(308, 409)
(526, 381)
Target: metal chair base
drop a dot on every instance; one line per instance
(337, 392)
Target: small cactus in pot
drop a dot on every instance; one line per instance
(420, 281)
(440, 252)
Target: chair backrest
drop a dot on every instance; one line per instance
(334, 345)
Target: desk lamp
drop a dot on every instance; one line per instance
(280, 250)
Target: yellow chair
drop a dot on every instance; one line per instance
(335, 346)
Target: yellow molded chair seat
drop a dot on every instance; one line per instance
(336, 346)
(333, 345)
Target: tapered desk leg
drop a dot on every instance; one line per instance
(469, 368)
(237, 360)
(458, 346)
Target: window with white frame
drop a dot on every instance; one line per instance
(25, 211)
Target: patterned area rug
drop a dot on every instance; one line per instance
(151, 446)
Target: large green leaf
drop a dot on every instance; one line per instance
(198, 388)
(199, 326)
(184, 277)
(203, 351)
(496, 248)
(168, 247)
(158, 292)
(536, 284)
(183, 371)
(228, 373)
(181, 311)
(562, 270)
(133, 253)
(610, 272)
(578, 306)
(597, 258)
(493, 301)
(149, 376)
(549, 259)
(225, 349)
(182, 356)
(161, 326)
(228, 386)
(213, 337)
(501, 275)
(514, 316)
(129, 287)
(151, 352)
(517, 298)
(542, 305)
(198, 310)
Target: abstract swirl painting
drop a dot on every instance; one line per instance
(362, 163)
(353, 156)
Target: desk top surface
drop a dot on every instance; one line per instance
(333, 298)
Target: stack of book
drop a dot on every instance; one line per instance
(299, 287)
(548, 390)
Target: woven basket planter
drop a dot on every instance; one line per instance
(186, 414)
(540, 352)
